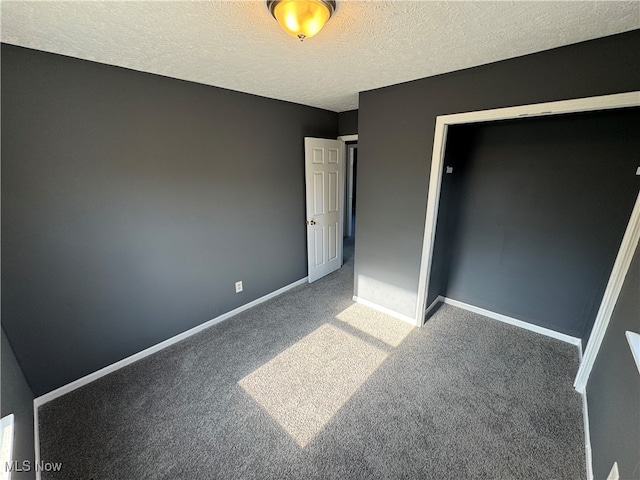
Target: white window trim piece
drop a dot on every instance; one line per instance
(634, 343)
(6, 425)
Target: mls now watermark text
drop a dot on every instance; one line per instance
(28, 466)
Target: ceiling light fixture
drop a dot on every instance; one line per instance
(301, 18)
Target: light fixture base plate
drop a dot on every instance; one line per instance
(330, 4)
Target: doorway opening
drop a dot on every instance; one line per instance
(350, 176)
(351, 181)
(330, 180)
(629, 240)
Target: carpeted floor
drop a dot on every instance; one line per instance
(310, 385)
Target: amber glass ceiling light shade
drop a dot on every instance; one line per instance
(301, 18)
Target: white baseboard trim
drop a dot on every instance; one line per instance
(58, 392)
(388, 311)
(587, 436)
(580, 354)
(518, 323)
(439, 299)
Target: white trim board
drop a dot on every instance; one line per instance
(514, 321)
(7, 425)
(614, 474)
(349, 138)
(587, 436)
(58, 392)
(610, 297)
(388, 311)
(439, 299)
(634, 343)
(36, 439)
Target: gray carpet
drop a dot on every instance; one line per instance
(309, 385)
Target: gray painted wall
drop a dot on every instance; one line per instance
(395, 131)
(613, 391)
(17, 398)
(131, 203)
(535, 213)
(348, 122)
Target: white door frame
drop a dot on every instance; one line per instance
(349, 138)
(630, 240)
(348, 176)
(349, 180)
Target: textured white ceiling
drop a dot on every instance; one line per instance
(366, 45)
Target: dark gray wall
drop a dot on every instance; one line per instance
(348, 122)
(613, 390)
(17, 398)
(538, 212)
(131, 203)
(395, 131)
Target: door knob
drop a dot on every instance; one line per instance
(311, 222)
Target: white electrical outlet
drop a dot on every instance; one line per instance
(449, 169)
(238, 287)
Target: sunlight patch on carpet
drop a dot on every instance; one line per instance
(383, 327)
(305, 386)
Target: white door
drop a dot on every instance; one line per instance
(324, 178)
